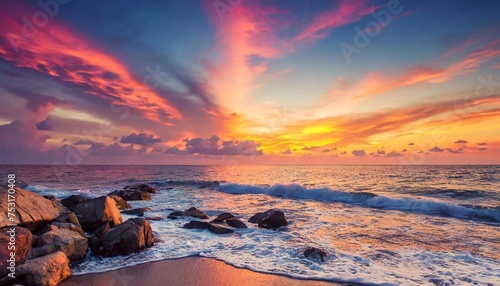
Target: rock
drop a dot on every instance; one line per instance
(95, 212)
(194, 212)
(175, 214)
(141, 188)
(139, 211)
(32, 210)
(314, 253)
(23, 239)
(154, 218)
(69, 218)
(224, 216)
(72, 243)
(230, 219)
(51, 198)
(132, 195)
(72, 201)
(275, 220)
(234, 222)
(205, 225)
(47, 270)
(70, 226)
(121, 204)
(256, 218)
(102, 230)
(131, 236)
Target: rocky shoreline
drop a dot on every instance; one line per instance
(53, 234)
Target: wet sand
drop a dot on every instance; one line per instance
(186, 271)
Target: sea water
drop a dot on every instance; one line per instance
(389, 225)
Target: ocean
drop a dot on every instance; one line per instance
(391, 225)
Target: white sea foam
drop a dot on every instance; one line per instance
(280, 252)
(368, 199)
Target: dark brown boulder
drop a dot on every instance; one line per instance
(138, 211)
(269, 219)
(72, 201)
(20, 246)
(234, 222)
(121, 204)
(314, 253)
(256, 218)
(141, 188)
(132, 195)
(70, 226)
(131, 236)
(32, 210)
(94, 213)
(224, 216)
(46, 270)
(72, 243)
(175, 214)
(154, 218)
(194, 212)
(205, 225)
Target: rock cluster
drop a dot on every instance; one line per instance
(52, 233)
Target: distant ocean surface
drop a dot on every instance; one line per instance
(398, 225)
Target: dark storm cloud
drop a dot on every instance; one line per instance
(358, 153)
(461, 141)
(436, 149)
(140, 139)
(46, 124)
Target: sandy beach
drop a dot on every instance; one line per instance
(186, 271)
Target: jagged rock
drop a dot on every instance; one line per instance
(141, 188)
(224, 216)
(68, 218)
(256, 218)
(95, 212)
(275, 220)
(205, 225)
(72, 243)
(22, 244)
(70, 226)
(102, 230)
(314, 253)
(95, 240)
(132, 195)
(194, 212)
(138, 211)
(72, 201)
(175, 214)
(121, 204)
(230, 220)
(46, 270)
(131, 236)
(32, 210)
(234, 222)
(154, 218)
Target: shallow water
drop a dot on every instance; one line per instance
(401, 225)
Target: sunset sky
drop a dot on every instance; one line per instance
(249, 82)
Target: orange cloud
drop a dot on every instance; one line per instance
(246, 42)
(57, 51)
(376, 83)
(347, 12)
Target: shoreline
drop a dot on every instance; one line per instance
(193, 270)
